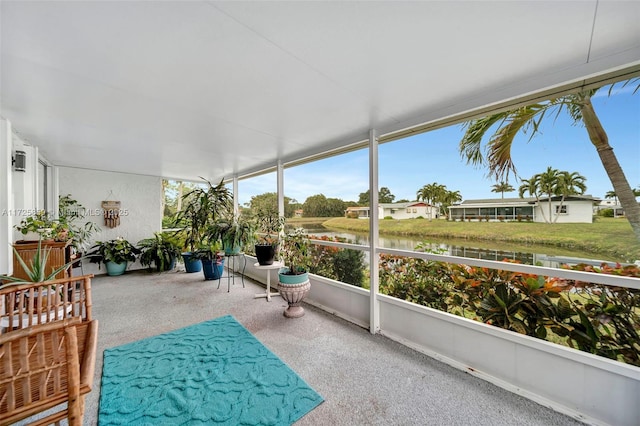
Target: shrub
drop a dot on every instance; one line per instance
(346, 265)
(606, 212)
(594, 318)
(387, 218)
(415, 280)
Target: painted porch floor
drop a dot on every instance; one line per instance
(365, 379)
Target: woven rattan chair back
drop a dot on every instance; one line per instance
(44, 366)
(29, 304)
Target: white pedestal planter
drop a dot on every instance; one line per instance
(293, 289)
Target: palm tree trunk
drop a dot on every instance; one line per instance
(180, 193)
(163, 196)
(555, 220)
(610, 162)
(541, 209)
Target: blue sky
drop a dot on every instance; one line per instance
(408, 164)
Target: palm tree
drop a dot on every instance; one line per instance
(569, 184)
(448, 198)
(612, 194)
(527, 119)
(431, 194)
(502, 187)
(553, 183)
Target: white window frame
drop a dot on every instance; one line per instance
(562, 209)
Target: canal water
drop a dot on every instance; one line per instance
(540, 255)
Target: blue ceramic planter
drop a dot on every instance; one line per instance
(114, 269)
(191, 265)
(212, 270)
(291, 279)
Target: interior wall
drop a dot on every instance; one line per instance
(140, 198)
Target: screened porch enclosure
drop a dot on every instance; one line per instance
(503, 213)
(115, 96)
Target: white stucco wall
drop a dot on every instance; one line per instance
(140, 198)
(401, 213)
(577, 212)
(24, 185)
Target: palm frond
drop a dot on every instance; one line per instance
(499, 146)
(471, 143)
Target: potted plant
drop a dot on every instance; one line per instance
(35, 268)
(234, 233)
(212, 260)
(71, 213)
(161, 251)
(38, 227)
(269, 225)
(115, 254)
(201, 208)
(293, 278)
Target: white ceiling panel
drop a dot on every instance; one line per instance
(248, 83)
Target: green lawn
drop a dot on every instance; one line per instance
(608, 236)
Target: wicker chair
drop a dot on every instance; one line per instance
(25, 305)
(46, 365)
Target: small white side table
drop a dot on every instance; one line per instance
(268, 294)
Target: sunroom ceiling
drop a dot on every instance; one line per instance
(206, 88)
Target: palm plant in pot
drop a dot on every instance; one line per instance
(235, 233)
(115, 254)
(293, 278)
(201, 208)
(161, 251)
(269, 225)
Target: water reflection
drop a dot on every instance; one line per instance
(526, 254)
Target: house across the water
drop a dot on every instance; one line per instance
(573, 209)
(410, 210)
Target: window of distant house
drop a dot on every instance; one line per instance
(415, 210)
(408, 210)
(561, 209)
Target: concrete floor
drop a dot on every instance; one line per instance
(365, 379)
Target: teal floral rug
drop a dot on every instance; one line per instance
(212, 373)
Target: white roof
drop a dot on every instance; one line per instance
(205, 88)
